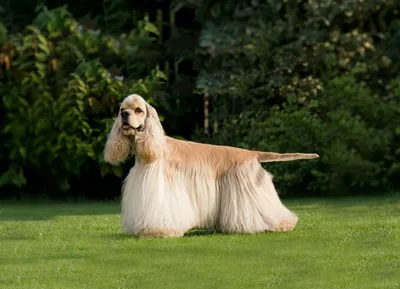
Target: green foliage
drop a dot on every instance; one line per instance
(307, 76)
(350, 127)
(316, 76)
(60, 95)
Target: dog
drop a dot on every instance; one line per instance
(177, 185)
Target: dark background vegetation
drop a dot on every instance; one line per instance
(285, 76)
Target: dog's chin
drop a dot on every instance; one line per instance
(129, 130)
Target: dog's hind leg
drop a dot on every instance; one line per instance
(250, 203)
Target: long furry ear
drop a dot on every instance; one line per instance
(153, 123)
(151, 112)
(150, 143)
(117, 147)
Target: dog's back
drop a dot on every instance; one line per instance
(216, 154)
(214, 158)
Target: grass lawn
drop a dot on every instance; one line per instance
(340, 243)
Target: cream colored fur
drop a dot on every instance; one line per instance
(178, 185)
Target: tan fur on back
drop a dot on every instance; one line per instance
(218, 158)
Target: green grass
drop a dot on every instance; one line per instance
(341, 243)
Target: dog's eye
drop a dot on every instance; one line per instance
(138, 110)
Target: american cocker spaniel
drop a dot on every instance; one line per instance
(177, 185)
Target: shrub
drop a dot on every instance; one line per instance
(315, 76)
(60, 94)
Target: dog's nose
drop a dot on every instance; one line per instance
(125, 114)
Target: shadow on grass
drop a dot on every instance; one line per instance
(189, 234)
(37, 211)
(201, 232)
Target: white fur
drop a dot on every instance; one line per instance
(250, 207)
(194, 199)
(149, 201)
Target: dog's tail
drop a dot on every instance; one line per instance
(267, 157)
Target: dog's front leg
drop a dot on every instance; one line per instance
(152, 206)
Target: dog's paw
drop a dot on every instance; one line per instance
(160, 233)
(285, 226)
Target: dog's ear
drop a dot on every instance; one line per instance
(151, 112)
(150, 146)
(117, 147)
(153, 123)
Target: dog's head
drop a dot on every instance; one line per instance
(134, 115)
(137, 129)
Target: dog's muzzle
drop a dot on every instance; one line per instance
(125, 123)
(126, 126)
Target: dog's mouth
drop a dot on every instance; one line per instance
(126, 126)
